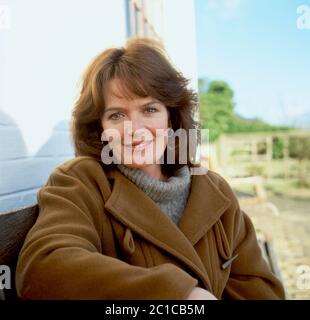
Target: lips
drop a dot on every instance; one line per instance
(138, 145)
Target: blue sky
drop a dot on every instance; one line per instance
(256, 47)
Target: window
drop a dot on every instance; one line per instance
(138, 18)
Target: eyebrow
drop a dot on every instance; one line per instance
(121, 109)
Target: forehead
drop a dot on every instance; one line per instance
(116, 94)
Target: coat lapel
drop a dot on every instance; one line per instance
(205, 206)
(135, 209)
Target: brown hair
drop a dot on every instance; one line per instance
(144, 69)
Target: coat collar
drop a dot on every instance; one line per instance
(206, 203)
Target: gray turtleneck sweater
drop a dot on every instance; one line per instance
(170, 195)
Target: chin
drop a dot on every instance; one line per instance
(138, 165)
(141, 162)
(145, 164)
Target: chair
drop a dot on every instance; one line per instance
(256, 205)
(14, 227)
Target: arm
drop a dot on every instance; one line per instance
(250, 277)
(61, 257)
(200, 294)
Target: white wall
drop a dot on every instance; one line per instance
(179, 35)
(42, 56)
(46, 49)
(174, 22)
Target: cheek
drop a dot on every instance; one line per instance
(160, 133)
(158, 127)
(158, 123)
(113, 131)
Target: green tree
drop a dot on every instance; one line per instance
(217, 112)
(217, 107)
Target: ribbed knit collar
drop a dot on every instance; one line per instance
(157, 190)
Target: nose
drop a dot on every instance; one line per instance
(137, 123)
(138, 128)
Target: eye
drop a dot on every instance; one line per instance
(150, 109)
(115, 116)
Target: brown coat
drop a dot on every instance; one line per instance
(89, 243)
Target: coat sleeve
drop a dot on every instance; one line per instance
(61, 257)
(250, 277)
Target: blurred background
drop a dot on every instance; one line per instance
(249, 62)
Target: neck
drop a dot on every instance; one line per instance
(154, 171)
(157, 189)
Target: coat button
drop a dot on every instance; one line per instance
(128, 243)
(229, 261)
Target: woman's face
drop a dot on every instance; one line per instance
(141, 124)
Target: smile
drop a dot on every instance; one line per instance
(139, 146)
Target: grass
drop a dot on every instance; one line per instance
(288, 188)
(280, 179)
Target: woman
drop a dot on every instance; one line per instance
(120, 221)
